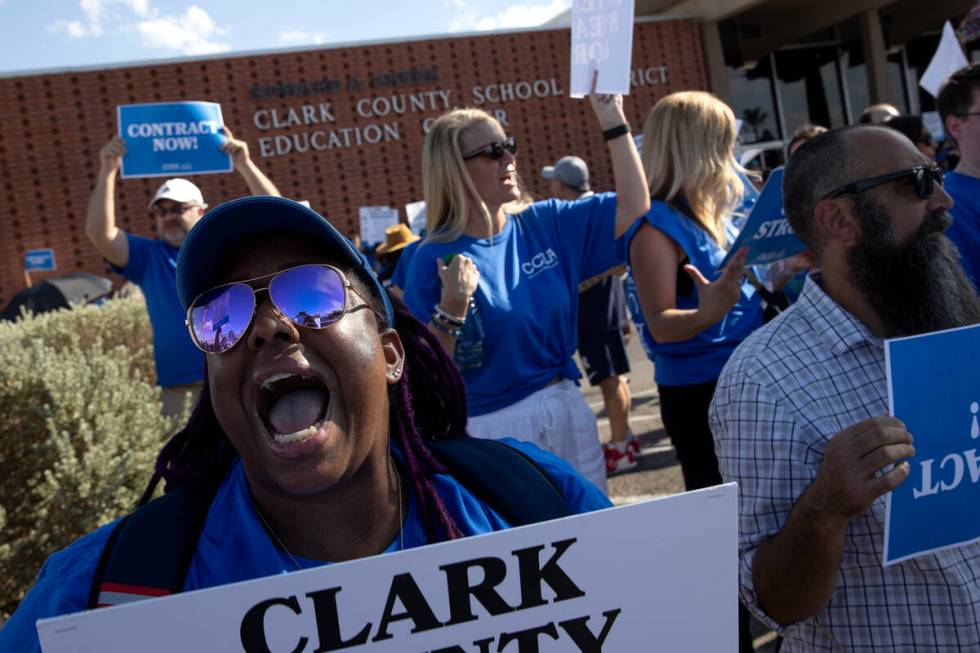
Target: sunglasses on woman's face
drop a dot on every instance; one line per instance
(494, 151)
(925, 179)
(312, 296)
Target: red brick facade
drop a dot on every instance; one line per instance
(54, 124)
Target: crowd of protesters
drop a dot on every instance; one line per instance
(309, 410)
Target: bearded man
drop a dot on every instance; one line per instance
(800, 414)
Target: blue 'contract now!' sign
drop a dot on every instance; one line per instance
(170, 139)
(934, 388)
(39, 260)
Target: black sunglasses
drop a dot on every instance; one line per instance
(925, 178)
(494, 151)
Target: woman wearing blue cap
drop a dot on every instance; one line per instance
(314, 436)
(497, 278)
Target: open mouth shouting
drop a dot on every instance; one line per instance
(293, 407)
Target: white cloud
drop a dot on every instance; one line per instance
(193, 32)
(72, 28)
(524, 15)
(299, 37)
(190, 33)
(97, 13)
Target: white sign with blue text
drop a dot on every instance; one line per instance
(556, 587)
(766, 232)
(169, 139)
(602, 46)
(39, 260)
(934, 388)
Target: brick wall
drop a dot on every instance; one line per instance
(55, 124)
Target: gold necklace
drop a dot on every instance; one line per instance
(299, 567)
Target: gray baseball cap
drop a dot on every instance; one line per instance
(569, 170)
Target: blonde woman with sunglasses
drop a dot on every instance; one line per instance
(497, 278)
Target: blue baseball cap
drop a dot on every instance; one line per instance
(228, 225)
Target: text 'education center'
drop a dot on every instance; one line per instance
(342, 126)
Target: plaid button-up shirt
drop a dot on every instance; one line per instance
(787, 390)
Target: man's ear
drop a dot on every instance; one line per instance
(837, 222)
(954, 126)
(394, 352)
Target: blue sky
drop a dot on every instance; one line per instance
(44, 34)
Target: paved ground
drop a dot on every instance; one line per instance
(658, 473)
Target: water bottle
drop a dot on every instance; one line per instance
(469, 344)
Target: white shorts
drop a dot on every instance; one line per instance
(556, 419)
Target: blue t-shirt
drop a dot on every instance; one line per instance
(521, 330)
(965, 230)
(152, 266)
(234, 546)
(400, 276)
(700, 359)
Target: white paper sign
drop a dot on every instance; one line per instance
(656, 575)
(602, 42)
(948, 59)
(374, 221)
(415, 212)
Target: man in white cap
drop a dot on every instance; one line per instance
(151, 263)
(602, 324)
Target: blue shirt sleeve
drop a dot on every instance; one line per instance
(422, 285)
(135, 268)
(62, 587)
(581, 495)
(586, 230)
(400, 275)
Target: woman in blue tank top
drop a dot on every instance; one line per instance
(692, 316)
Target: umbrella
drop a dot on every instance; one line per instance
(59, 292)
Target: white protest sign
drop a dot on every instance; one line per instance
(602, 42)
(565, 585)
(948, 59)
(374, 221)
(415, 212)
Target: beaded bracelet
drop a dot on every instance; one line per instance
(451, 331)
(451, 319)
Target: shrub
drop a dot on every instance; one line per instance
(80, 421)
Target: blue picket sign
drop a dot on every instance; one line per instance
(172, 139)
(39, 260)
(934, 388)
(766, 232)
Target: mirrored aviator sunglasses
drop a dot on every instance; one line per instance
(312, 296)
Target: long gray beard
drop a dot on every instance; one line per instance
(917, 287)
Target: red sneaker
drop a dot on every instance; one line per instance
(633, 445)
(616, 460)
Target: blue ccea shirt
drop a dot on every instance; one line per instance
(521, 331)
(965, 230)
(234, 546)
(700, 359)
(400, 276)
(152, 266)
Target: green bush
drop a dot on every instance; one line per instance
(80, 425)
